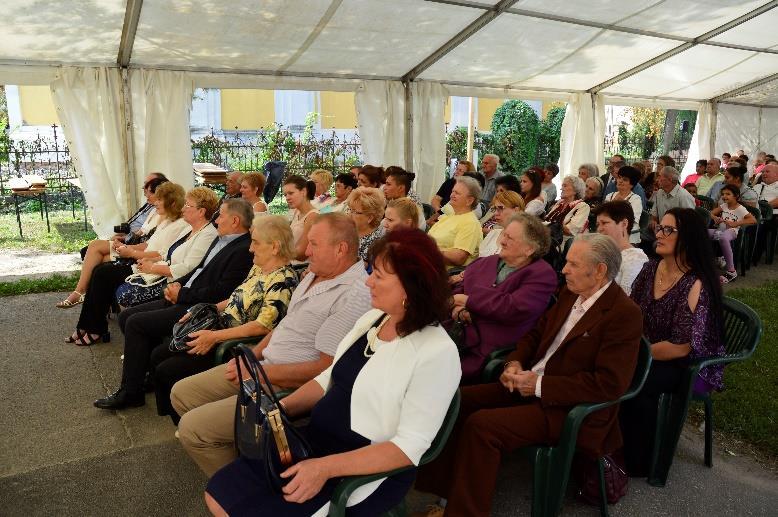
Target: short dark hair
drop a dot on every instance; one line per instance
(620, 157)
(732, 188)
(552, 168)
(631, 173)
(374, 175)
(415, 258)
(401, 176)
(477, 176)
(302, 184)
(618, 211)
(667, 160)
(347, 180)
(737, 172)
(704, 163)
(727, 155)
(510, 182)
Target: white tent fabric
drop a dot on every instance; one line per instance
(577, 142)
(700, 146)
(88, 102)
(749, 128)
(429, 139)
(161, 101)
(380, 118)
(599, 128)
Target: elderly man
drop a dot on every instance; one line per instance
(489, 166)
(670, 194)
(224, 267)
(711, 176)
(767, 190)
(584, 349)
(232, 185)
(735, 175)
(323, 308)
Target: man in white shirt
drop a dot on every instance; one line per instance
(584, 349)
(767, 190)
(670, 194)
(323, 308)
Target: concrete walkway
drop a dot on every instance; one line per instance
(61, 456)
(19, 264)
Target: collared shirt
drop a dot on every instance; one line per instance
(319, 316)
(664, 201)
(705, 183)
(767, 192)
(221, 243)
(580, 307)
(137, 220)
(490, 187)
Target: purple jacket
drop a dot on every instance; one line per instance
(502, 313)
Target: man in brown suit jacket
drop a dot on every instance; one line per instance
(583, 350)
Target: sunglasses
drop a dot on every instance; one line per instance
(667, 231)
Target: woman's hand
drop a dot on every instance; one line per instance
(460, 300)
(145, 266)
(461, 314)
(125, 251)
(203, 342)
(309, 478)
(455, 279)
(666, 351)
(731, 224)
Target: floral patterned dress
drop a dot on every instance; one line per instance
(262, 297)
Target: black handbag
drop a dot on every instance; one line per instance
(457, 331)
(262, 429)
(202, 316)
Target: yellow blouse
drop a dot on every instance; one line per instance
(262, 297)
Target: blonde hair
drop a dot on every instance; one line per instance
(406, 209)
(172, 197)
(371, 200)
(323, 175)
(256, 180)
(510, 198)
(204, 198)
(275, 228)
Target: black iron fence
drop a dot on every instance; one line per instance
(646, 147)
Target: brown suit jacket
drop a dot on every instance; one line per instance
(594, 363)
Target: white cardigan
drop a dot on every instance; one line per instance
(167, 233)
(190, 253)
(403, 392)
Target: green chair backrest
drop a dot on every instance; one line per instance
(641, 370)
(742, 329)
(756, 212)
(645, 217)
(766, 210)
(707, 202)
(445, 430)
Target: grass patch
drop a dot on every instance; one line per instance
(67, 234)
(747, 409)
(53, 283)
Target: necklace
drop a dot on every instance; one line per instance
(372, 335)
(659, 276)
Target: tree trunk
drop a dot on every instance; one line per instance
(667, 136)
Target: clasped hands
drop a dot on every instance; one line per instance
(459, 312)
(171, 292)
(514, 378)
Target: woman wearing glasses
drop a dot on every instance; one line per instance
(366, 208)
(680, 297)
(504, 205)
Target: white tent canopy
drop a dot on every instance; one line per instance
(666, 53)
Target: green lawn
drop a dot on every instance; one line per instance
(53, 283)
(67, 234)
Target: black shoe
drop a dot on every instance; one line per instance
(148, 383)
(120, 400)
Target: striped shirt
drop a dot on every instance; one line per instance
(319, 317)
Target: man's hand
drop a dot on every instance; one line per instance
(171, 292)
(231, 372)
(203, 342)
(525, 382)
(509, 377)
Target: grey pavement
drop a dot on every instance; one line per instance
(61, 456)
(18, 264)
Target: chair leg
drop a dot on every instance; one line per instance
(603, 495)
(708, 431)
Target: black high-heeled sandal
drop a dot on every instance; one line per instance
(87, 339)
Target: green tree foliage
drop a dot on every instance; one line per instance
(550, 133)
(5, 139)
(515, 134)
(456, 144)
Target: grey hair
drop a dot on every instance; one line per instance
(493, 157)
(594, 171)
(578, 185)
(473, 188)
(671, 173)
(241, 208)
(598, 182)
(602, 250)
(536, 233)
(275, 228)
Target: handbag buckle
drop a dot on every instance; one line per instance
(279, 434)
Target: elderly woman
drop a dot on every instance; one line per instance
(626, 179)
(182, 257)
(377, 407)
(252, 184)
(459, 234)
(588, 170)
(323, 180)
(442, 196)
(370, 176)
(570, 212)
(400, 214)
(92, 326)
(681, 300)
(615, 219)
(593, 195)
(344, 184)
(254, 308)
(366, 208)
(298, 193)
(532, 190)
(504, 205)
(104, 250)
(502, 296)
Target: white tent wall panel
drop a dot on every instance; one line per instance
(381, 121)
(768, 130)
(429, 136)
(751, 129)
(700, 145)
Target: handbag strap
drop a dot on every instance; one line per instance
(256, 371)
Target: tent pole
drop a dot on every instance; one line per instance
(408, 125)
(130, 175)
(714, 109)
(470, 128)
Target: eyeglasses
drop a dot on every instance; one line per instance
(667, 231)
(498, 208)
(187, 205)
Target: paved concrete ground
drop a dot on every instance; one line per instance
(18, 264)
(61, 456)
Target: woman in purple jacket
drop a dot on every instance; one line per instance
(502, 296)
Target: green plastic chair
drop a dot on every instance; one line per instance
(347, 486)
(223, 351)
(551, 465)
(744, 245)
(742, 332)
(707, 202)
(704, 214)
(769, 228)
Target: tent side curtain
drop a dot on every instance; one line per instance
(381, 121)
(700, 146)
(429, 136)
(751, 129)
(577, 143)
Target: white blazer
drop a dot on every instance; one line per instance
(403, 392)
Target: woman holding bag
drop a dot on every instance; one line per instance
(377, 407)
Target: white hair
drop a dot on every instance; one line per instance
(602, 250)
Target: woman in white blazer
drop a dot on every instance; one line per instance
(378, 406)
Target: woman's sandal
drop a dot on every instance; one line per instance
(67, 304)
(86, 339)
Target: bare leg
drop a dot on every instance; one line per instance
(214, 507)
(97, 252)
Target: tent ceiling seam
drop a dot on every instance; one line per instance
(325, 19)
(742, 89)
(129, 29)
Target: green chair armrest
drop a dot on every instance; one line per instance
(347, 486)
(223, 350)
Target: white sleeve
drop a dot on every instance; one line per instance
(577, 218)
(194, 252)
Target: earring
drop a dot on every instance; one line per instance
(405, 303)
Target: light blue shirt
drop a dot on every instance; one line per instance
(221, 243)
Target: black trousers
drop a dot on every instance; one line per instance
(106, 277)
(170, 367)
(638, 416)
(144, 327)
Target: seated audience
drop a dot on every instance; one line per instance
(323, 309)
(728, 217)
(344, 184)
(637, 188)
(767, 189)
(670, 194)
(398, 185)
(380, 404)
(626, 179)
(504, 183)
(531, 190)
(298, 194)
(588, 170)
(146, 325)
(680, 300)
(366, 208)
(691, 188)
(182, 257)
(371, 176)
(502, 296)
(142, 223)
(400, 213)
(92, 326)
(323, 180)
(441, 197)
(615, 163)
(549, 173)
(570, 212)
(616, 219)
(593, 196)
(254, 308)
(735, 175)
(573, 355)
(699, 171)
(458, 235)
(711, 176)
(252, 184)
(504, 205)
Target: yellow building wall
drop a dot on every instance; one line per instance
(486, 109)
(37, 106)
(447, 111)
(247, 109)
(338, 110)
